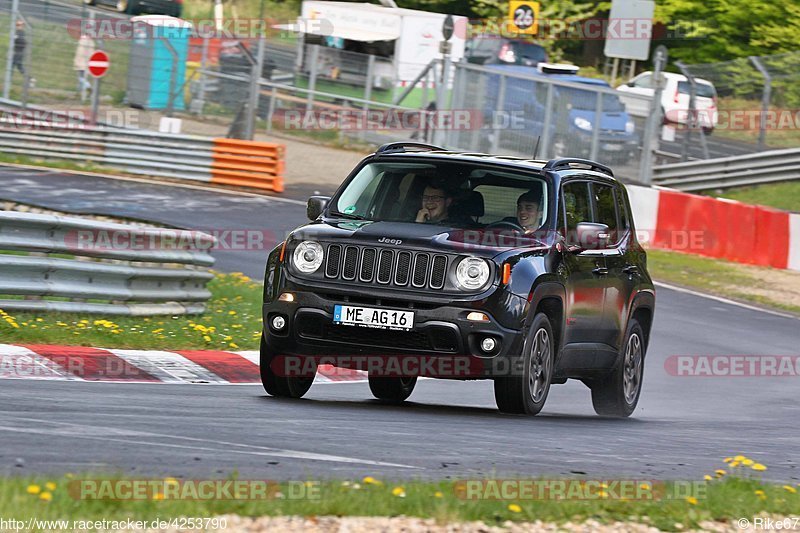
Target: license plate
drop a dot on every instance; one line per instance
(612, 147)
(371, 317)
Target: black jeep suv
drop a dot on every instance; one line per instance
(470, 266)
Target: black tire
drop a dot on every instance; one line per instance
(527, 390)
(618, 393)
(88, 2)
(392, 390)
(281, 386)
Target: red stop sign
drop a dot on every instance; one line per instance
(98, 64)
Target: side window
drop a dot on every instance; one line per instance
(644, 82)
(576, 204)
(606, 205)
(622, 209)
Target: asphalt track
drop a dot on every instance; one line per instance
(682, 429)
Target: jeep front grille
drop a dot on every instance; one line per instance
(385, 266)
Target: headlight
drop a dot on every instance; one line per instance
(308, 256)
(472, 273)
(583, 124)
(630, 127)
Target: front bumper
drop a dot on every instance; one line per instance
(439, 330)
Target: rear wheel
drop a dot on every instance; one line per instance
(526, 392)
(618, 393)
(283, 386)
(393, 390)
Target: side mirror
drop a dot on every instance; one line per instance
(316, 205)
(589, 236)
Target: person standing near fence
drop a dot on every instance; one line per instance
(20, 43)
(83, 52)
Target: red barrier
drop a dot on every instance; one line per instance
(722, 229)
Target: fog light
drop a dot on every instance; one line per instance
(286, 297)
(477, 317)
(488, 344)
(278, 323)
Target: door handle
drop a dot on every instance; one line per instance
(631, 270)
(600, 271)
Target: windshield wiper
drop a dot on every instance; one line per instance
(349, 216)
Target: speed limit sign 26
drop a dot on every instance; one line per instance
(524, 16)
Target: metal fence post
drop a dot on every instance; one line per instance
(544, 146)
(271, 111)
(766, 96)
(312, 77)
(12, 36)
(203, 66)
(367, 93)
(252, 101)
(501, 102)
(654, 119)
(596, 127)
(692, 121)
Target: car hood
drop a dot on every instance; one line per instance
(407, 235)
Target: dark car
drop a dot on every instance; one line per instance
(172, 8)
(495, 49)
(533, 276)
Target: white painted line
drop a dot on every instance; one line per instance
(168, 366)
(85, 431)
(17, 362)
(722, 300)
(154, 181)
(794, 242)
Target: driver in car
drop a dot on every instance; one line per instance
(528, 212)
(435, 203)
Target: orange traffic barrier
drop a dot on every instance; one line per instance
(248, 164)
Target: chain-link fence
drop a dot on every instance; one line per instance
(518, 111)
(750, 103)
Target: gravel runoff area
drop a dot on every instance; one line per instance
(334, 524)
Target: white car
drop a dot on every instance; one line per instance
(674, 98)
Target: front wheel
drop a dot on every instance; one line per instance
(281, 386)
(526, 392)
(617, 394)
(392, 390)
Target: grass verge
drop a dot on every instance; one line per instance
(232, 321)
(784, 195)
(721, 497)
(768, 287)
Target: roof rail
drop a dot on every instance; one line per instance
(401, 146)
(565, 162)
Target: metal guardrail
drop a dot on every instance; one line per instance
(736, 171)
(231, 162)
(102, 268)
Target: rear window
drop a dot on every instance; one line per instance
(703, 89)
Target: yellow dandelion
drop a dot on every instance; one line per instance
(739, 458)
(233, 345)
(790, 489)
(760, 494)
(171, 481)
(206, 338)
(438, 494)
(46, 496)
(158, 496)
(34, 489)
(748, 462)
(734, 464)
(514, 508)
(369, 480)
(720, 473)
(644, 486)
(707, 477)
(602, 493)
(758, 467)
(691, 500)
(232, 313)
(400, 492)
(50, 486)
(727, 460)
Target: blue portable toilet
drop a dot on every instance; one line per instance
(159, 50)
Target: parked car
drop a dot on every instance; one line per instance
(674, 98)
(172, 8)
(572, 119)
(529, 269)
(494, 49)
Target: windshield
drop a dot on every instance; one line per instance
(704, 90)
(587, 100)
(447, 194)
